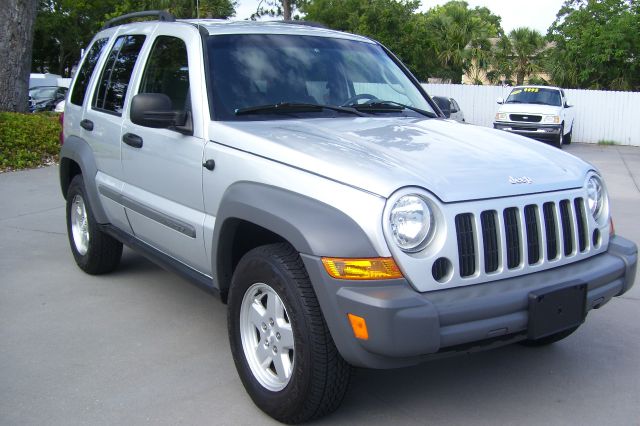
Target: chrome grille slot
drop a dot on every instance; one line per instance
(567, 228)
(466, 244)
(490, 241)
(551, 231)
(512, 233)
(582, 223)
(533, 239)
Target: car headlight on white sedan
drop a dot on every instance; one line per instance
(551, 119)
(412, 223)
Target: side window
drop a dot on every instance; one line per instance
(84, 74)
(114, 80)
(167, 71)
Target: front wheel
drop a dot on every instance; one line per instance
(558, 142)
(281, 346)
(566, 140)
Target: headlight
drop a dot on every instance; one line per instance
(555, 119)
(501, 116)
(412, 222)
(595, 196)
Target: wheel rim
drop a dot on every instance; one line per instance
(267, 337)
(79, 224)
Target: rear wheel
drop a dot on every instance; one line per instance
(566, 140)
(281, 346)
(94, 251)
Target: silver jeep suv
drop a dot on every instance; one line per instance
(305, 177)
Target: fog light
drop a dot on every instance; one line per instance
(359, 326)
(381, 268)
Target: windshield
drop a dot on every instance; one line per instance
(257, 70)
(534, 95)
(43, 92)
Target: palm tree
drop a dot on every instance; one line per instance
(527, 47)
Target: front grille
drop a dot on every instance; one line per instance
(526, 235)
(526, 118)
(490, 241)
(466, 245)
(512, 234)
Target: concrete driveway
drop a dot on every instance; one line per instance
(143, 346)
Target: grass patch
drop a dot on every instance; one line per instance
(28, 140)
(607, 142)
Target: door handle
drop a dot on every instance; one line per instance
(87, 124)
(209, 164)
(132, 140)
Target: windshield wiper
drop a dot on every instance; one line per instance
(393, 106)
(287, 107)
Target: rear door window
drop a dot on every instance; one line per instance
(84, 74)
(116, 74)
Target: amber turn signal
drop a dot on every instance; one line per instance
(381, 268)
(359, 326)
(612, 229)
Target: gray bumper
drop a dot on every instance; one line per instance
(405, 326)
(541, 132)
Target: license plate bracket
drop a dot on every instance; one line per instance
(556, 308)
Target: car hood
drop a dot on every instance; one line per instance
(453, 161)
(529, 109)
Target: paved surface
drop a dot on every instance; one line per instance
(142, 346)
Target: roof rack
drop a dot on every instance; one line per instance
(161, 14)
(301, 22)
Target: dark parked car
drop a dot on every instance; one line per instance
(45, 98)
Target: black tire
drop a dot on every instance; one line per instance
(103, 252)
(549, 339)
(558, 142)
(320, 377)
(566, 140)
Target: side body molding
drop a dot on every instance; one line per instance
(79, 151)
(312, 227)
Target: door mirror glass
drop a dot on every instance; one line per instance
(500, 101)
(155, 110)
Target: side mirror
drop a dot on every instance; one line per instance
(443, 104)
(566, 105)
(500, 101)
(155, 110)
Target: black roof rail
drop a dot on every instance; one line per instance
(162, 15)
(305, 23)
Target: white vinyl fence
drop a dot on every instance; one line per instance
(600, 115)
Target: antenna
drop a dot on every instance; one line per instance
(197, 9)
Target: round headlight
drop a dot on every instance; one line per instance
(595, 196)
(411, 222)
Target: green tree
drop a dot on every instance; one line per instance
(181, 8)
(284, 8)
(460, 38)
(65, 27)
(391, 22)
(597, 45)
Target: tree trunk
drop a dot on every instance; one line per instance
(519, 78)
(17, 22)
(286, 9)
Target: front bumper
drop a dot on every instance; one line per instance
(538, 131)
(405, 326)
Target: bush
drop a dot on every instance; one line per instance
(28, 140)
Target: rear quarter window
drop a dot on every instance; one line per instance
(79, 92)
